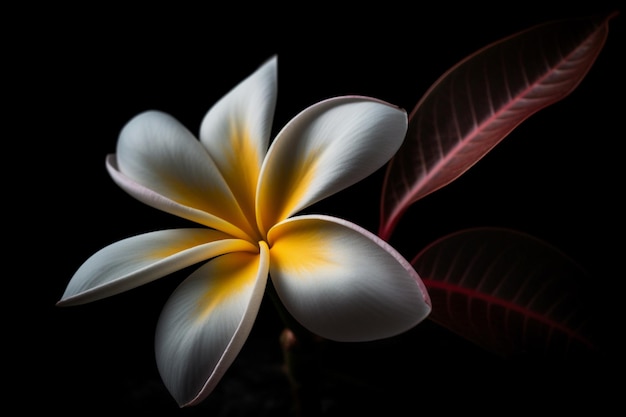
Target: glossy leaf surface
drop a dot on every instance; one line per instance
(479, 101)
(509, 293)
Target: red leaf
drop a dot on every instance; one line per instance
(509, 293)
(479, 101)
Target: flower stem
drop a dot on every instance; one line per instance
(302, 367)
(301, 361)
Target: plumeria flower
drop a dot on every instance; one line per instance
(335, 278)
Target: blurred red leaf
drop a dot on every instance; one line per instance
(509, 293)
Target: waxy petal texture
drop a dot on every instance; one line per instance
(158, 152)
(324, 149)
(206, 321)
(137, 260)
(342, 282)
(236, 132)
(163, 203)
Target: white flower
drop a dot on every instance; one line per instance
(337, 279)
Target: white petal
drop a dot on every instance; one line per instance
(206, 322)
(161, 202)
(342, 282)
(140, 259)
(326, 148)
(236, 132)
(158, 152)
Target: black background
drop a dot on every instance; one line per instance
(76, 76)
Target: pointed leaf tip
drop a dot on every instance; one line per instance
(479, 101)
